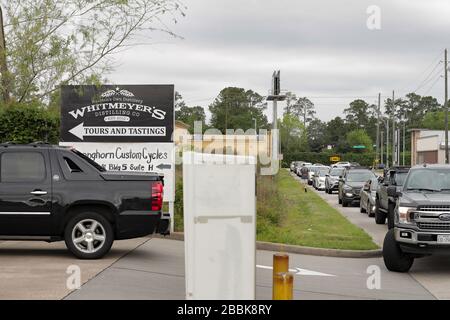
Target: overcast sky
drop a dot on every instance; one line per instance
(322, 47)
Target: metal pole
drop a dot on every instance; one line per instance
(387, 143)
(382, 147)
(404, 142)
(446, 109)
(275, 127)
(377, 158)
(394, 132)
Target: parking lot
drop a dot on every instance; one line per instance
(153, 268)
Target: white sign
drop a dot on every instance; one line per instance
(82, 131)
(134, 157)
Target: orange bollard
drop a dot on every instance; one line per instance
(283, 286)
(280, 265)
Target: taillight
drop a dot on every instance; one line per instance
(157, 196)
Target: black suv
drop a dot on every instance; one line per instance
(384, 204)
(52, 193)
(421, 217)
(351, 183)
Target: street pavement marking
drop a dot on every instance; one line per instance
(301, 272)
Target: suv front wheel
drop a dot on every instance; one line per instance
(89, 235)
(394, 258)
(380, 217)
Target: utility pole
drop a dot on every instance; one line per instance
(382, 147)
(404, 141)
(3, 64)
(394, 132)
(387, 143)
(377, 158)
(446, 108)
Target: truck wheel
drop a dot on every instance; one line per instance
(89, 235)
(390, 216)
(370, 213)
(380, 217)
(361, 209)
(394, 259)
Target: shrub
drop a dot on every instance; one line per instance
(21, 123)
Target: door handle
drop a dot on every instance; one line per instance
(38, 193)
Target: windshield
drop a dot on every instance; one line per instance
(89, 160)
(323, 172)
(400, 178)
(361, 176)
(337, 172)
(428, 180)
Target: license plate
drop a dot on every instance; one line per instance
(443, 238)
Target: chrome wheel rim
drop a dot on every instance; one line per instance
(88, 236)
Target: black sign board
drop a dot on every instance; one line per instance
(119, 113)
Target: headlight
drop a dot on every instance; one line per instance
(404, 215)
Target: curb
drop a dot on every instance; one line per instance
(268, 246)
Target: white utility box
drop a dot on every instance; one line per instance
(219, 226)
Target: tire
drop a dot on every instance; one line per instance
(370, 213)
(394, 259)
(380, 217)
(390, 216)
(94, 244)
(361, 209)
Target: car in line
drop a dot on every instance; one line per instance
(384, 204)
(332, 179)
(341, 164)
(368, 196)
(293, 166)
(351, 183)
(51, 193)
(421, 217)
(299, 168)
(312, 170)
(319, 178)
(304, 171)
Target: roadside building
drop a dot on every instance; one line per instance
(427, 146)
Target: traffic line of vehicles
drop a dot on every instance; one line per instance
(415, 203)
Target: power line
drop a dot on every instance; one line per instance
(434, 83)
(430, 76)
(438, 56)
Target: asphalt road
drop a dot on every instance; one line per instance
(433, 273)
(154, 269)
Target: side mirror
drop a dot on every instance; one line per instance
(392, 192)
(327, 175)
(366, 187)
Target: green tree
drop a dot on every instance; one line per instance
(361, 115)
(316, 135)
(359, 137)
(434, 120)
(53, 42)
(304, 110)
(237, 108)
(292, 134)
(336, 132)
(190, 115)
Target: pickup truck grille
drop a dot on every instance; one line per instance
(434, 225)
(445, 208)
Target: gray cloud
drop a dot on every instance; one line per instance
(322, 47)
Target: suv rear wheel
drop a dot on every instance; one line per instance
(380, 217)
(394, 258)
(89, 235)
(390, 215)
